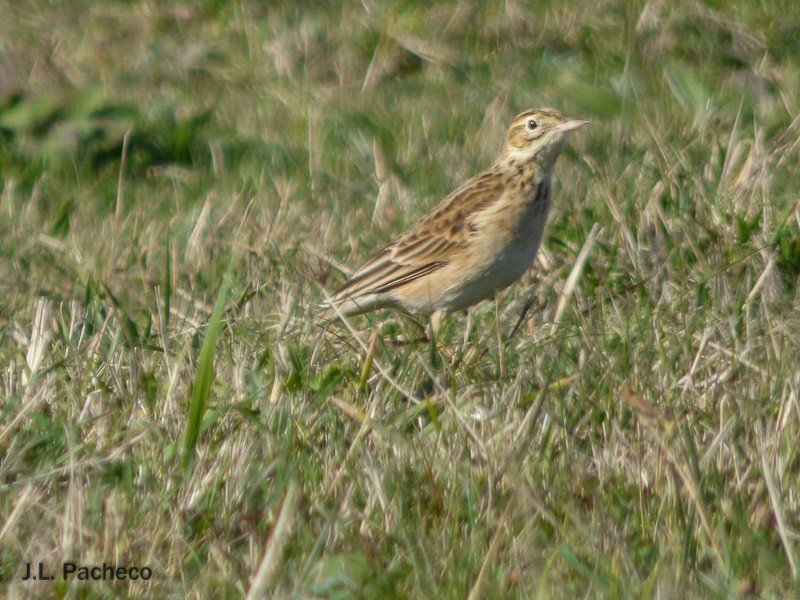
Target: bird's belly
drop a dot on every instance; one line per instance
(500, 254)
(499, 270)
(512, 263)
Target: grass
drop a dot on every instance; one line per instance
(636, 437)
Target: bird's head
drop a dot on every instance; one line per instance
(539, 135)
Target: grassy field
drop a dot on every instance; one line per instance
(182, 181)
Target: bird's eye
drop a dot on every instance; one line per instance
(531, 124)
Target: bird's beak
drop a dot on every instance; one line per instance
(571, 124)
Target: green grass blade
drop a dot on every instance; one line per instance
(204, 376)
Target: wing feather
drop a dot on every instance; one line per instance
(429, 245)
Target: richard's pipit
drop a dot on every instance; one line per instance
(477, 241)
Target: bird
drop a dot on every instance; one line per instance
(477, 241)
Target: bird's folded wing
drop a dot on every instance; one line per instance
(428, 246)
(388, 270)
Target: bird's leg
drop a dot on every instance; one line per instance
(422, 333)
(528, 303)
(421, 328)
(434, 321)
